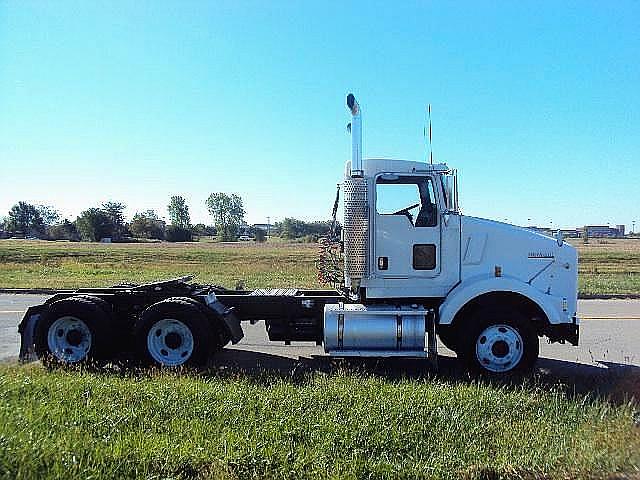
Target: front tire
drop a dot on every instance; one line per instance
(500, 342)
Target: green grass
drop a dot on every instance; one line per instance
(33, 264)
(611, 267)
(160, 425)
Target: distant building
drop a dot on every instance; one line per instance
(265, 227)
(244, 230)
(570, 232)
(593, 231)
(602, 231)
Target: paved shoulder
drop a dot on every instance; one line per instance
(12, 308)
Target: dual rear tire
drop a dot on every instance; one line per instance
(75, 330)
(175, 332)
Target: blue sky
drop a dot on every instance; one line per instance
(536, 103)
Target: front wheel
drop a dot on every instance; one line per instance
(500, 343)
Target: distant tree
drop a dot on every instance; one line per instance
(49, 214)
(64, 230)
(94, 224)
(24, 217)
(147, 225)
(228, 214)
(179, 212)
(115, 212)
(178, 234)
(291, 228)
(203, 230)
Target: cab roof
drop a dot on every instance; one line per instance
(373, 166)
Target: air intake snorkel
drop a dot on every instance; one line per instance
(355, 127)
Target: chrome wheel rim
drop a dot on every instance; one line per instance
(170, 342)
(499, 348)
(69, 339)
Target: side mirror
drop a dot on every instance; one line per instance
(352, 105)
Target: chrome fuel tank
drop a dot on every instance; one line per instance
(379, 328)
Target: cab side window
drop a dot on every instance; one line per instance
(410, 196)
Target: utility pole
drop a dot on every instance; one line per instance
(268, 225)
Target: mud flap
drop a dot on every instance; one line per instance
(228, 317)
(27, 329)
(430, 340)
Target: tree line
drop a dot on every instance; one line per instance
(108, 221)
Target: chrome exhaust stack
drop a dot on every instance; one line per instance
(356, 136)
(356, 207)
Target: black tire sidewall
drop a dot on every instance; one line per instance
(185, 312)
(94, 317)
(485, 318)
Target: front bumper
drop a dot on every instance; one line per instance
(564, 332)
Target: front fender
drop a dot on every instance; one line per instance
(477, 286)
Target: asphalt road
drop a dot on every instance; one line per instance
(609, 337)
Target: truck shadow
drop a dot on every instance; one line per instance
(613, 382)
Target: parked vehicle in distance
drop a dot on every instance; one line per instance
(409, 266)
(245, 238)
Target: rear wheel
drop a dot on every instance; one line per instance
(173, 333)
(73, 330)
(499, 342)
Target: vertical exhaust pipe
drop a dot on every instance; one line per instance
(356, 136)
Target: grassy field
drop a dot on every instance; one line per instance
(59, 265)
(611, 266)
(346, 425)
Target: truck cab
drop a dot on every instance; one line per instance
(415, 234)
(494, 288)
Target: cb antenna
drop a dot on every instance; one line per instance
(430, 145)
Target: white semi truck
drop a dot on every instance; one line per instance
(412, 266)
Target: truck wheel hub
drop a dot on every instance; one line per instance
(173, 340)
(74, 337)
(69, 339)
(499, 348)
(170, 342)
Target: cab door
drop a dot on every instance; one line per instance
(407, 227)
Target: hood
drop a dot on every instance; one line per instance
(518, 253)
